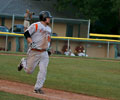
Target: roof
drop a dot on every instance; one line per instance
(18, 8)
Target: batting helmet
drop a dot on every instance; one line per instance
(43, 15)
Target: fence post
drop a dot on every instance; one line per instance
(56, 46)
(88, 28)
(13, 20)
(52, 24)
(86, 45)
(25, 45)
(68, 45)
(6, 42)
(108, 49)
(116, 51)
(17, 44)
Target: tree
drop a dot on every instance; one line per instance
(104, 14)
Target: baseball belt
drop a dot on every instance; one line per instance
(40, 50)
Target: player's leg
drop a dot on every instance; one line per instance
(29, 63)
(44, 60)
(22, 64)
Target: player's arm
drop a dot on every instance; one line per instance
(28, 37)
(29, 40)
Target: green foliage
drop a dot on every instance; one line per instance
(90, 8)
(105, 12)
(10, 96)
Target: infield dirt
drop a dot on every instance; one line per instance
(50, 94)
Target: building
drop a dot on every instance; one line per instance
(61, 26)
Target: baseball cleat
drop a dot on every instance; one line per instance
(20, 66)
(39, 91)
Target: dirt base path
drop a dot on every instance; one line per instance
(50, 94)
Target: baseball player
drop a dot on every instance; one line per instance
(38, 37)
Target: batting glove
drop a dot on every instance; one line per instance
(33, 45)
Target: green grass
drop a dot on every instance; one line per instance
(94, 77)
(10, 96)
(9, 52)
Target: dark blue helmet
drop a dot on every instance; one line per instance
(43, 15)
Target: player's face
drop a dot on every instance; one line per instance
(47, 21)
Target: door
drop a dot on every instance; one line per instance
(69, 30)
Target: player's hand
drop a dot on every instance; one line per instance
(49, 53)
(33, 45)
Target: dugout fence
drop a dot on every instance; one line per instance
(93, 47)
(104, 48)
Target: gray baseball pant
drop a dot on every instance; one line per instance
(33, 59)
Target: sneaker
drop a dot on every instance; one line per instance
(20, 66)
(39, 91)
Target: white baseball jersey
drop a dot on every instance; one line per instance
(40, 34)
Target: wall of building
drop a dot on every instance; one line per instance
(2, 42)
(112, 51)
(97, 50)
(75, 30)
(8, 22)
(60, 29)
(57, 45)
(83, 30)
(11, 41)
(92, 49)
(21, 41)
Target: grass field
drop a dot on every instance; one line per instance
(10, 96)
(96, 77)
